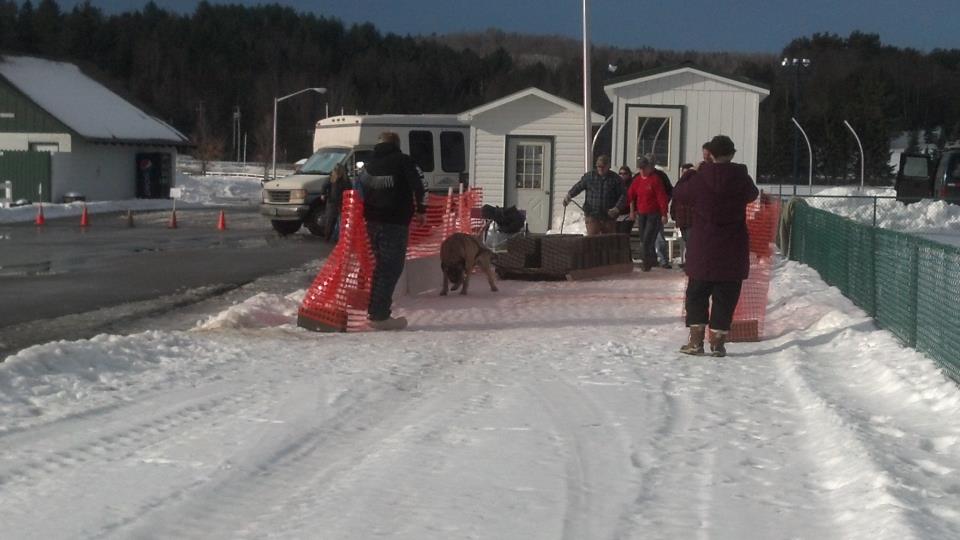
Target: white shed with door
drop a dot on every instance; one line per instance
(527, 150)
(671, 112)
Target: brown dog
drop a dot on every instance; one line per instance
(459, 253)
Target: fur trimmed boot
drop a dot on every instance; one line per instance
(717, 340)
(695, 343)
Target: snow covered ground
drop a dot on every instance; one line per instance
(547, 410)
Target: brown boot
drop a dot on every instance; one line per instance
(717, 339)
(695, 344)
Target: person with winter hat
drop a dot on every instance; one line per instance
(718, 252)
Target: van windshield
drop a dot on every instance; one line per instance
(324, 160)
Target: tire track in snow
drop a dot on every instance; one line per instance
(583, 433)
(286, 477)
(854, 473)
(118, 444)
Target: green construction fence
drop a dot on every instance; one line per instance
(908, 284)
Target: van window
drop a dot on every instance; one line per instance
(452, 152)
(421, 149)
(953, 169)
(324, 160)
(915, 167)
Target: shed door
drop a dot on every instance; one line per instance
(29, 172)
(529, 179)
(654, 130)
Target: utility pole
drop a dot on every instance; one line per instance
(236, 131)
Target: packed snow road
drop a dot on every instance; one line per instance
(547, 410)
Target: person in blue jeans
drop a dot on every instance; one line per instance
(661, 242)
(393, 194)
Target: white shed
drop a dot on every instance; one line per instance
(671, 112)
(526, 149)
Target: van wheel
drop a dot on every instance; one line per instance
(315, 222)
(285, 227)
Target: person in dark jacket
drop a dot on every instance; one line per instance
(392, 193)
(718, 256)
(333, 200)
(682, 215)
(605, 198)
(624, 223)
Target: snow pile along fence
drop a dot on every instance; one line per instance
(748, 318)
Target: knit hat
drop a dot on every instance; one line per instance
(721, 145)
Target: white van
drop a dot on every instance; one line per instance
(436, 142)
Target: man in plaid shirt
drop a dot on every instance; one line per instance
(606, 197)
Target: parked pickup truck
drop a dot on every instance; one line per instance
(925, 176)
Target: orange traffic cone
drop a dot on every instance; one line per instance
(173, 220)
(40, 220)
(84, 218)
(222, 222)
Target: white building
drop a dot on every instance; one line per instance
(671, 112)
(61, 131)
(527, 150)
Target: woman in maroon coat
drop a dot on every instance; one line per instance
(718, 255)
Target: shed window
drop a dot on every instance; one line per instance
(421, 149)
(452, 152)
(653, 137)
(529, 164)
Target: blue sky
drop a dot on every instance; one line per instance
(709, 25)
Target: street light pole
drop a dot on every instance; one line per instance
(587, 108)
(863, 157)
(275, 102)
(809, 153)
(797, 63)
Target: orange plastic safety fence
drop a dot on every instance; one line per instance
(339, 296)
(446, 214)
(762, 217)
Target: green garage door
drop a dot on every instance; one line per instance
(28, 171)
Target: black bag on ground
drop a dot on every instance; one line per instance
(508, 220)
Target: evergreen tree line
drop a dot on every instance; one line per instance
(194, 71)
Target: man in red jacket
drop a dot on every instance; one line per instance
(648, 205)
(718, 254)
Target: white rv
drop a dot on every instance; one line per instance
(437, 143)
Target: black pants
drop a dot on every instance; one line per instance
(649, 225)
(389, 245)
(724, 296)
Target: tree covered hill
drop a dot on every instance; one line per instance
(196, 70)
